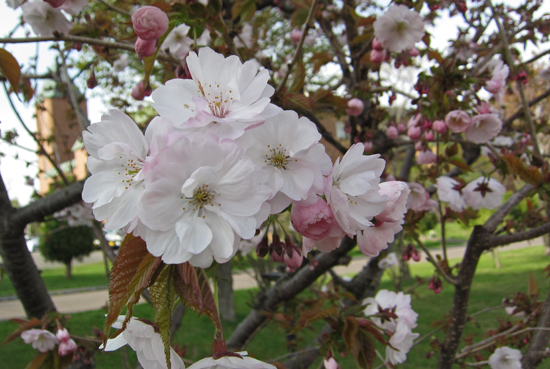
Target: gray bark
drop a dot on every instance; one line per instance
(225, 292)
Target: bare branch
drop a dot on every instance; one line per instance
(520, 236)
(114, 8)
(336, 47)
(534, 354)
(492, 223)
(520, 112)
(299, 47)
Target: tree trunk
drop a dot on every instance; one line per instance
(19, 264)
(69, 270)
(225, 296)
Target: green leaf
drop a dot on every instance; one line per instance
(194, 291)
(10, 68)
(214, 7)
(163, 295)
(299, 17)
(129, 258)
(243, 8)
(149, 61)
(37, 361)
(314, 314)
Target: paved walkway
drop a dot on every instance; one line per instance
(93, 300)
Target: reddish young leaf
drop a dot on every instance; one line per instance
(192, 286)
(37, 362)
(314, 314)
(350, 330)
(10, 68)
(23, 326)
(529, 174)
(130, 256)
(364, 349)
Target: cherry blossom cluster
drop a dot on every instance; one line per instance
(399, 326)
(220, 159)
(44, 340)
(481, 193)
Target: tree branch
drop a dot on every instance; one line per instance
(498, 216)
(298, 51)
(321, 128)
(114, 8)
(520, 111)
(520, 236)
(448, 278)
(286, 288)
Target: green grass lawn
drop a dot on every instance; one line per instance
(84, 275)
(490, 287)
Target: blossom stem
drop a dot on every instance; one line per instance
(447, 277)
(383, 360)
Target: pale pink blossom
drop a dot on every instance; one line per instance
(327, 244)
(447, 190)
(505, 358)
(498, 80)
(483, 193)
(399, 28)
(374, 239)
(377, 45)
(14, 4)
(145, 48)
(439, 126)
(483, 128)
(330, 363)
(312, 217)
(231, 362)
(402, 340)
(401, 127)
(414, 121)
(121, 63)
(457, 121)
(44, 19)
(40, 339)
(355, 107)
(66, 344)
(414, 52)
(225, 97)
(202, 196)
(149, 22)
(368, 146)
(396, 201)
(398, 302)
(287, 148)
(389, 261)
(429, 135)
(392, 132)
(146, 342)
(426, 157)
(419, 199)
(55, 3)
(179, 44)
(73, 7)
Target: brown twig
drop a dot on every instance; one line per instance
(114, 8)
(449, 278)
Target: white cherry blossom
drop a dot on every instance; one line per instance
(117, 150)
(179, 44)
(352, 189)
(231, 362)
(44, 19)
(73, 7)
(391, 300)
(505, 358)
(483, 193)
(146, 342)
(399, 28)
(224, 97)
(448, 192)
(40, 339)
(288, 150)
(402, 339)
(200, 198)
(483, 128)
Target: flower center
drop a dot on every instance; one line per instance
(401, 26)
(202, 196)
(130, 169)
(278, 158)
(219, 98)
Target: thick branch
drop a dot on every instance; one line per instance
(38, 210)
(520, 112)
(492, 223)
(284, 290)
(520, 236)
(336, 47)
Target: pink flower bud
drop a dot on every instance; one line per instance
(419, 146)
(356, 107)
(414, 133)
(67, 347)
(439, 126)
(368, 146)
(295, 260)
(296, 35)
(92, 81)
(429, 135)
(392, 133)
(145, 48)
(55, 3)
(401, 127)
(457, 121)
(436, 285)
(484, 108)
(62, 335)
(149, 22)
(139, 93)
(377, 56)
(426, 157)
(377, 45)
(414, 52)
(312, 219)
